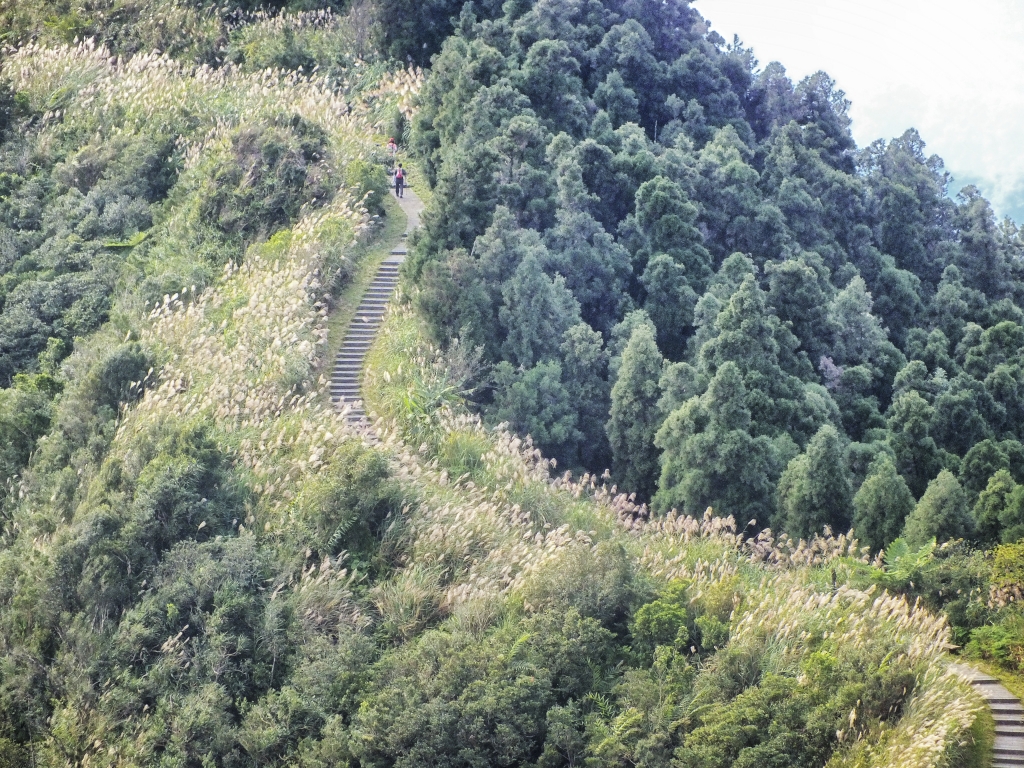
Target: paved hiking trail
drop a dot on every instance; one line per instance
(1008, 713)
(347, 375)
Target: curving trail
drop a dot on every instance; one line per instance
(1008, 713)
(347, 375)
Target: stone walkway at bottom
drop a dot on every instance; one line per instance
(1008, 713)
(347, 376)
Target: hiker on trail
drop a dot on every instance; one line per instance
(392, 147)
(399, 181)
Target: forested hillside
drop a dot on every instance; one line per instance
(642, 251)
(680, 265)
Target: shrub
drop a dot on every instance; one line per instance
(662, 622)
(369, 182)
(267, 174)
(118, 378)
(349, 503)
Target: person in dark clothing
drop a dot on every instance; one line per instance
(399, 181)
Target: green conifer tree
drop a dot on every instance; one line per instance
(536, 312)
(917, 456)
(534, 401)
(814, 491)
(881, 505)
(857, 333)
(709, 457)
(941, 514)
(999, 512)
(584, 369)
(634, 414)
(669, 303)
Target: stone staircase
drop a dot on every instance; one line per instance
(347, 375)
(1008, 713)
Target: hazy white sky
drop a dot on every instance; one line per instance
(953, 70)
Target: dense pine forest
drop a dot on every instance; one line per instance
(658, 292)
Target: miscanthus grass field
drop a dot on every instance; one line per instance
(204, 563)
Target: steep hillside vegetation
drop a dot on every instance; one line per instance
(203, 564)
(765, 317)
(677, 264)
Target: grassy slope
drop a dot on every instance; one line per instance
(486, 503)
(490, 534)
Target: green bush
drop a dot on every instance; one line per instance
(349, 504)
(369, 183)
(119, 378)
(663, 622)
(267, 174)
